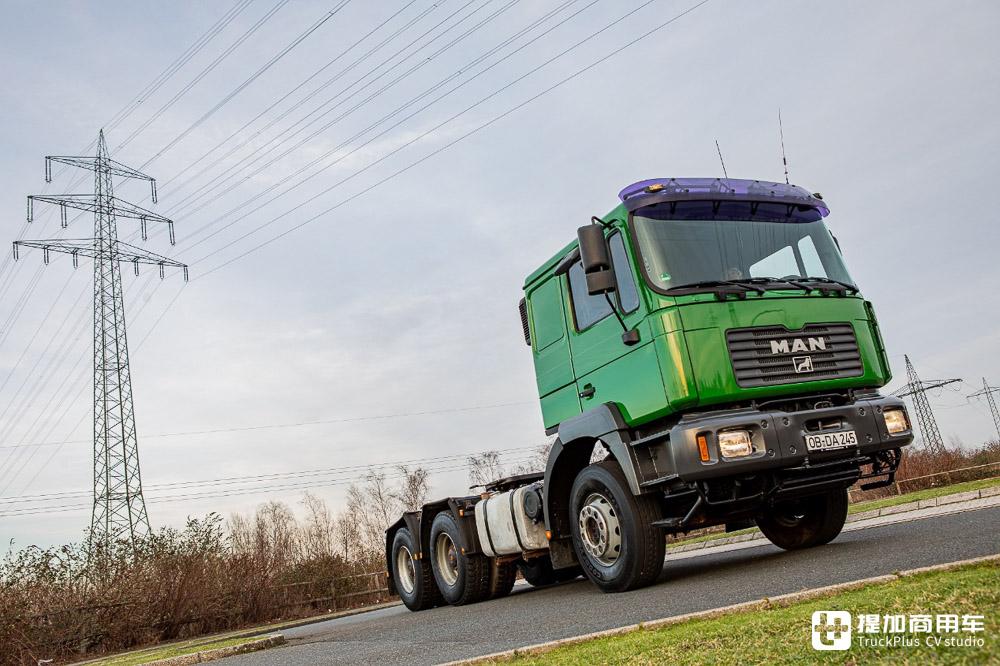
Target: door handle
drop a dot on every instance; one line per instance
(588, 391)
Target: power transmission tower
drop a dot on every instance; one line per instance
(988, 391)
(119, 512)
(917, 390)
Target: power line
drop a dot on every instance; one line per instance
(339, 471)
(448, 145)
(297, 424)
(253, 77)
(281, 138)
(385, 131)
(273, 105)
(184, 497)
(204, 72)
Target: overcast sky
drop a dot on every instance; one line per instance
(402, 300)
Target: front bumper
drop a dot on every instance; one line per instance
(779, 438)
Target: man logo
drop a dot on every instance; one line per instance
(798, 345)
(802, 363)
(831, 630)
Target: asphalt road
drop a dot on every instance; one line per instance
(690, 582)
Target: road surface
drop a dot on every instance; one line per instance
(694, 581)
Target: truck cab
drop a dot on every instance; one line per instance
(704, 357)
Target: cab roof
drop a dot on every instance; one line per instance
(664, 190)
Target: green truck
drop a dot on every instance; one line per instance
(704, 358)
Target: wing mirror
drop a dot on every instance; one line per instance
(596, 259)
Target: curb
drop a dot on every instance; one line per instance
(944, 500)
(757, 604)
(219, 653)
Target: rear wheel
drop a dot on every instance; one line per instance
(805, 522)
(502, 577)
(413, 578)
(462, 579)
(615, 541)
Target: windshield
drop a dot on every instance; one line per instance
(679, 252)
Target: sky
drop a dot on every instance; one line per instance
(378, 297)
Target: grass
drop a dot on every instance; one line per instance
(869, 505)
(782, 635)
(928, 493)
(172, 650)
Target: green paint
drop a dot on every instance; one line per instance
(682, 360)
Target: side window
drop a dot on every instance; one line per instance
(587, 309)
(628, 297)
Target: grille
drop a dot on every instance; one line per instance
(774, 355)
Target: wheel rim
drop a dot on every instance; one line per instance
(600, 530)
(446, 558)
(405, 569)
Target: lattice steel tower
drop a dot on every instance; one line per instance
(988, 391)
(918, 389)
(119, 511)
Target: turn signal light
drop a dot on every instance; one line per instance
(703, 448)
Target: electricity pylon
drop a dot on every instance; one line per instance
(917, 390)
(119, 512)
(988, 391)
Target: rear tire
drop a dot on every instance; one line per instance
(538, 572)
(613, 533)
(806, 522)
(413, 578)
(502, 577)
(462, 579)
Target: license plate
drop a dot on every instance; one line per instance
(831, 440)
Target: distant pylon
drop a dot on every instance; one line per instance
(917, 390)
(988, 391)
(119, 512)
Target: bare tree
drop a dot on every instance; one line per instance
(318, 530)
(485, 468)
(413, 488)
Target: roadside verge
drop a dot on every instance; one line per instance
(742, 609)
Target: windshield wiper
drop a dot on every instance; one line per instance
(847, 286)
(721, 288)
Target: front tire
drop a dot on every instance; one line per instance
(413, 578)
(462, 579)
(613, 533)
(806, 522)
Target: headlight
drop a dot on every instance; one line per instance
(895, 420)
(735, 444)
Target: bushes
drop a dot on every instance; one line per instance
(73, 601)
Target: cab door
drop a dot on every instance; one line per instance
(554, 374)
(608, 370)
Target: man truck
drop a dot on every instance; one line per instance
(704, 358)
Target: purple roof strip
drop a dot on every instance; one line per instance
(656, 190)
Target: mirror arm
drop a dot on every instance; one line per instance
(629, 337)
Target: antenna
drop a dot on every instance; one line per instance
(781, 132)
(721, 160)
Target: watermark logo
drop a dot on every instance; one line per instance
(838, 630)
(831, 630)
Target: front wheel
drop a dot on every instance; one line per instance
(806, 522)
(613, 533)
